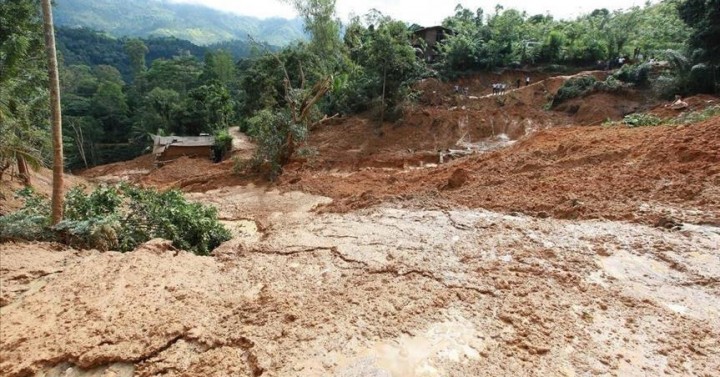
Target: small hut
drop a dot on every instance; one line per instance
(167, 148)
(431, 36)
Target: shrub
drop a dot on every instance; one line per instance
(223, 145)
(274, 133)
(118, 217)
(30, 222)
(641, 120)
(611, 84)
(573, 88)
(634, 74)
(697, 116)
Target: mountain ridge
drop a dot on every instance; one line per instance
(159, 18)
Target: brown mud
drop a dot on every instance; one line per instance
(540, 245)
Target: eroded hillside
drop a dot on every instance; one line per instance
(537, 246)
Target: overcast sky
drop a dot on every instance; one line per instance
(422, 12)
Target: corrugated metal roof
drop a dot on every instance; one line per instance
(160, 143)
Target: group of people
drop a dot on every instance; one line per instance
(500, 88)
(464, 91)
(497, 88)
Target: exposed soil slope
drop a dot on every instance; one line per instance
(567, 172)
(533, 248)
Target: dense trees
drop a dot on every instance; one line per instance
(189, 22)
(703, 16)
(24, 112)
(508, 37)
(117, 91)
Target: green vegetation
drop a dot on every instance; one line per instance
(134, 78)
(633, 73)
(83, 46)
(696, 116)
(181, 96)
(24, 111)
(637, 74)
(687, 117)
(573, 88)
(507, 37)
(153, 18)
(117, 218)
(641, 120)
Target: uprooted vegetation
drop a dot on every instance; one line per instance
(117, 218)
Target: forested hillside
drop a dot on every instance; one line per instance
(157, 18)
(83, 46)
(117, 90)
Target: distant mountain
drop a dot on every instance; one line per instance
(157, 18)
(83, 46)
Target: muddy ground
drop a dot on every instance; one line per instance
(547, 250)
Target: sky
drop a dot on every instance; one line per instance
(422, 12)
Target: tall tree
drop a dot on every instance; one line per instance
(57, 190)
(324, 27)
(703, 16)
(136, 51)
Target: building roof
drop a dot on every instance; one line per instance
(160, 143)
(440, 27)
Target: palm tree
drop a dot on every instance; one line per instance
(57, 190)
(22, 101)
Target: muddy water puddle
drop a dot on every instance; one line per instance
(423, 355)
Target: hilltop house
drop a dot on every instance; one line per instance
(167, 148)
(431, 36)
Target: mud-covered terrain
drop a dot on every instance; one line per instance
(541, 249)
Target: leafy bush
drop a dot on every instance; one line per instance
(118, 217)
(634, 74)
(223, 144)
(573, 88)
(611, 84)
(641, 120)
(272, 130)
(150, 214)
(697, 116)
(30, 222)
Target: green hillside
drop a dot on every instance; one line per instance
(157, 18)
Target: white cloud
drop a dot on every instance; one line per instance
(423, 12)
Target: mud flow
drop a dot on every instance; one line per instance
(476, 237)
(388, 291)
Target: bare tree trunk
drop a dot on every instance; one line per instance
(58, 161)
(23, 171)
(80, 142)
